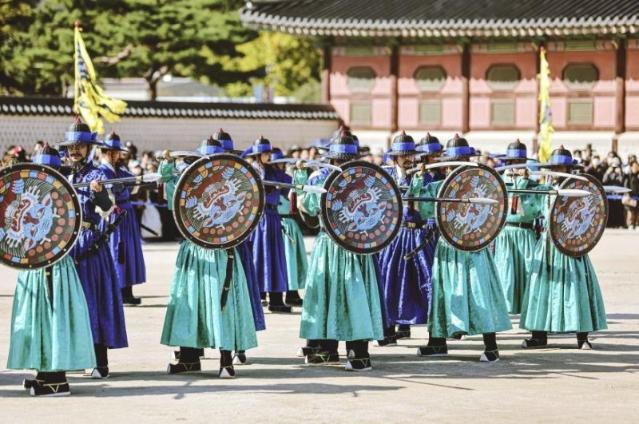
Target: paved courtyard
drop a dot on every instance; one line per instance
(525, 386)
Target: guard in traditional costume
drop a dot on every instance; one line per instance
(563, 295)
(245, 253)
(296, 260)
(407, 261)
(341, 298)
(466, 293)
(91, 252)
(196, 317)
(515, 244)
(50, 325)
(125, 241)
(269, 251)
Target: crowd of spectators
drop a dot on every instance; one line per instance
(610, 169)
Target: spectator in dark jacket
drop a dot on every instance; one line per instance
(630, 200)
(614, 177)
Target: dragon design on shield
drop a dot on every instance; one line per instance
(28, 218)
(363, 208)
(578, 217)
(471, 217)
(219, 203)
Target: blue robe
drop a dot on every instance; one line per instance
(406, 283)
(125, 242)
(96, 269)
(269, 254)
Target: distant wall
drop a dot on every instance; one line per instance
(169, 133)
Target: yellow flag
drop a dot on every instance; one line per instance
(545, 114)
(89, 98)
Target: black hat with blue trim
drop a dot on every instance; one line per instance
(403, 145)
(261, 145)
(345, 148)
(47, 156)
(112, 142)
(79, 133)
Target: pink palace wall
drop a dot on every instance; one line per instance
(481, 94)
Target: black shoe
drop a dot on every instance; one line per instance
(489, 356)
(240, 359)
(131, 301)
(584, 345)
(307, 350)
(280, 308)
(387, 341)
(402, 334)
(432, 351)
(264, 302)
(98, 373)
(50, 389)
(226, 372)
(322, 358)
(533, 343)
(359, 364)
(182, 367)
(294, 301)
(28, 383)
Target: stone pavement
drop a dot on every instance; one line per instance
(558, 383)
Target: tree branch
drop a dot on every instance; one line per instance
(113, 60)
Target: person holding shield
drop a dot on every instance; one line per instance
(466, 293)
(209, 304)
(342, 299)
(563, 295)
(50, 324)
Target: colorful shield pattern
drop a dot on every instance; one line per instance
(577, 223)
(362, 207)
(468, 226)
(41, 216)
(218, 201)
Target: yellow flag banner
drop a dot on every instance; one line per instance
(89, 98)
(545, 114)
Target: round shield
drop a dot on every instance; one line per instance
(218, 201)
(577, 223)
(41, 216)
(472, 226)
(362, 207)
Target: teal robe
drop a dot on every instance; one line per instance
(296, 260)
(563, 295)
(342, 300)
(50, 333)
(467, 297)
(514, 246)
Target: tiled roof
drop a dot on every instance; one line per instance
(147, 109)
(445, 18)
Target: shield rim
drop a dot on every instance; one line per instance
(237, 241)
(595, 241)
(76, 203)
(324, 218)
(438, 213)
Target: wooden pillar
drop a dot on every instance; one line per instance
(620, 93)
(394, 78)
(465, 74)
(327, 60)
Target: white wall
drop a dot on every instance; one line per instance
(160, 133)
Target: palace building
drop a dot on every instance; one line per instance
(471, 66)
